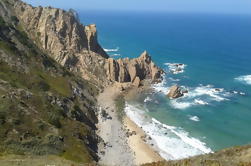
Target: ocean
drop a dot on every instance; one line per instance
(215, 51)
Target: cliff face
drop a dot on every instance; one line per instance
(76, 46)
(58, 31)
(131, 70)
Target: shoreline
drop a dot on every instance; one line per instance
(143, 152)
(124, 141)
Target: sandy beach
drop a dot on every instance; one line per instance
(124, 143)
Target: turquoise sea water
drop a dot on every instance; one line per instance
(216, 51)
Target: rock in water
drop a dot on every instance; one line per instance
(175, 92)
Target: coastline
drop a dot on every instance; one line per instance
(124, 141)
(143, 152)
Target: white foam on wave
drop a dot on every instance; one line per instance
(162, 86)
(208, 90)
(202, 95)
(115, 55)
(111, 50)
(245, 79)
(201, 102)
(194, 118)
(173, 79)
(147, 99)
(170, 141)
(176, 68)
(180, 105)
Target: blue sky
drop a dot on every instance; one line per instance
(207, 6)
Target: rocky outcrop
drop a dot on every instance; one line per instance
(76, 46)
(133, 70)
(58, 31)
(175, 92)
(60, 34)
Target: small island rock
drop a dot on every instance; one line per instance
(175, 92)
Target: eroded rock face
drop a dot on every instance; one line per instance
(175, 92)
(76, 46)
(58, 31)
(127, 70)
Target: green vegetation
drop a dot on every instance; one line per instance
(76, 148)
(9, 48)
(35, 81)
(120, 106)
(14, 19)
(2, 22)
(37, 102)
(235, 156)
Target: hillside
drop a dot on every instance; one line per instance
(236, 156)
(45, 109)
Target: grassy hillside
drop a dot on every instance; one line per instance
(236, 156)
(45, 109)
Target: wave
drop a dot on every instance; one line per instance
(201, 95)
(115, 55)
(112, 50)
(171, 142)
(162, 86)
(176, 68)
(201, 102)
(215, 94)
(196, 96)
(177, 104)
(244, 79)
(180, 105)
(194, 118)
(147, 99)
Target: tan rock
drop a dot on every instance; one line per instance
(76, 47)
(136, 82)
(175, 92)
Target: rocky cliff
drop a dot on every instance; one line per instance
(131, 70)
(76, 46)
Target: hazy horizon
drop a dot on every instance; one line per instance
(179, 6)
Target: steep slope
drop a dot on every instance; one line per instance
(76, 47)
(45, 109)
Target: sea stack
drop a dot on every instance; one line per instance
(175, 92)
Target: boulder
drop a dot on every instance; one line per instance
(175, 92)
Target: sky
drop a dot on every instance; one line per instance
(201, 6)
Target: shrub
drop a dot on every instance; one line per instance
(43, 86)
(14, 19)
(2, 22)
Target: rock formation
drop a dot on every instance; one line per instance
(76, 46)
(128, 70)
(175, 92)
